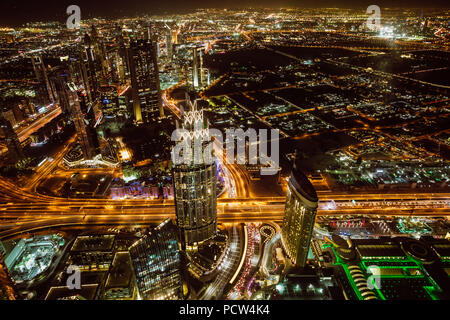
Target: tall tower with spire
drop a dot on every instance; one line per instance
(195, 184)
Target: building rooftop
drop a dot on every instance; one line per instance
(121, 271)
(58, 293)
(93, 243)
(302, 184)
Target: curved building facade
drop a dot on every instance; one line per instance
(299, 216)
(195, 186)
(195, 202)
(157, 264)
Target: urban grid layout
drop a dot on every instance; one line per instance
(226, 154)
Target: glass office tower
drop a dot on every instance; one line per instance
(156, 261)
(146, 91)
(195, 186)
(299, 215)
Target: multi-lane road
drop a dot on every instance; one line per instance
(35, 211)
(23, 209)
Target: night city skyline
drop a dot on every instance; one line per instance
(192, 152)
(17, 13)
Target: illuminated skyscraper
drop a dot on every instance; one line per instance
(99, 51)
(59, 77)
(156, 260)
(299, 215)
(145, 85)
(121, 60)
(195, 186)
(200, 75)
(109, 101)
(89, 66)
(175, 36)
(169, 44)
(12, 142)
(40, 71)
(196, 67)
(86, 140)
(118, 67)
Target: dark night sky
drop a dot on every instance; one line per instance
(13, 12)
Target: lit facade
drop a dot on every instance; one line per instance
(200, 74)
(299, 215)
(195, 201)
(40, 70)
(169, 44)
(89, 65)
(109, 101)
(86, 142)
(100, 52)
(146, 91)
(156, 261)
(195, 187)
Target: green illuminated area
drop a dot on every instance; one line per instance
(400, 279)
(344, 266)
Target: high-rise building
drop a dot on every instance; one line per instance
(83, 105)
(86, 140)
(109, 101)
(144, 72)
(169, 44)
(175, 36)
(196, 67)
(121, 60)
(200, 75)
(90, 68)
(121, 283)
(27, 107)
(40, 71)
(99, 50)
(117, 67)
(59, 77)
(12, 142)
(156, 259)
(195, 185)
(299, 215)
